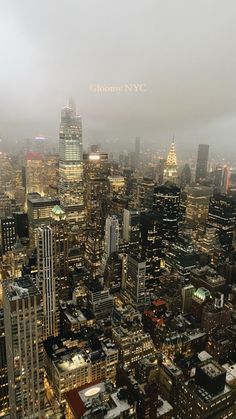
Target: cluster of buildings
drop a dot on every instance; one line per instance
(117, 283)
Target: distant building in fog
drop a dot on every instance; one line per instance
(202, 160)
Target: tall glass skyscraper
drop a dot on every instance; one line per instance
(71, 164)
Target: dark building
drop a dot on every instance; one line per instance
(182, 256)
(145, 189)
(21, 222)
(131, 229)
(151, 241)
(210, 376)
(202, 160)
(186, 176)
(113, 272)
(39, 212)
(166, 206)
(214, 317)
(222, 216)
(207, 395)
(93, 251)
(8, 234)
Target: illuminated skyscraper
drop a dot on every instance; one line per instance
(23, 331)
(71, 165)
(46, 279)
(60, 230)
(96, 170)
(202, 160)
(170, 171)
(197, 205)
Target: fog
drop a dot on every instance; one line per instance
(151, 68)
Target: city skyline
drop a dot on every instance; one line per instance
(117, 209)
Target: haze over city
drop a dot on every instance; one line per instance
(182, 53)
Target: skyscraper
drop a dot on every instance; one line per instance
(222, 216)
(61, 241)
(23, 330)
(170, 170)
(202, 160)
(221, 179)
(131, 229)
(166, 206)
(185, 178)
(197, 205)
(135, 281)
(96, 171)
(46, 280)
(111, 244)
(151, 240)
(111, 235)
(71, 165)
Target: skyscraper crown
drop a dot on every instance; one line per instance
(171, 158)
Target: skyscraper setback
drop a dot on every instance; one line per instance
(202, 160)
(71, 164)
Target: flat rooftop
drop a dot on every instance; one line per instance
(36, 198)
(164, 408)
(211, 369)
(77, 349)
(20, 288)
(83, 400)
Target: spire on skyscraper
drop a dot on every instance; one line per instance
(72, 104)
(170, 171)
(171, 158)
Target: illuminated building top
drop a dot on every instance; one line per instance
(171, 158)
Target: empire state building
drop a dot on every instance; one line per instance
(71, 191)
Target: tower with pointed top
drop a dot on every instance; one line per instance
(170, 171)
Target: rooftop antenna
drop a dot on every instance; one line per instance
(72, 104)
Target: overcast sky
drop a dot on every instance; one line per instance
(183, 52)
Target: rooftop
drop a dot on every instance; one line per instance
(164, 408)
(20, 288)
(83, 400)
(35, 198)
(76, 349)
(211, 369)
